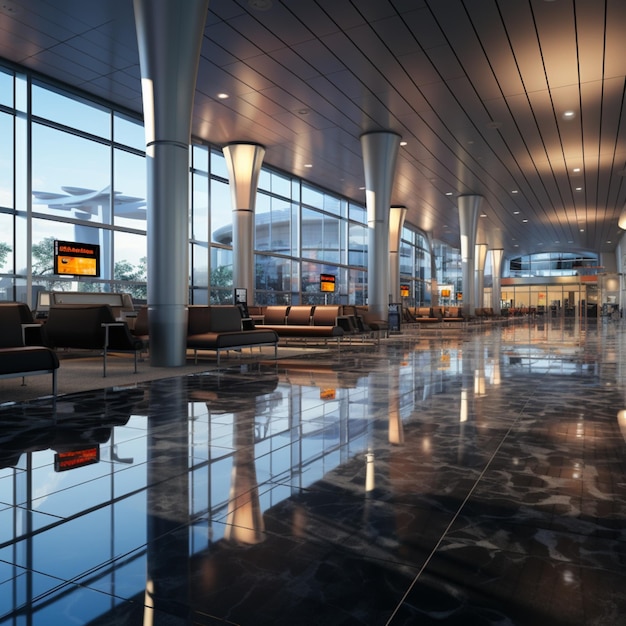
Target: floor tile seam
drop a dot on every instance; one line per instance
(62, 520)
(458, 511)
(67, 584)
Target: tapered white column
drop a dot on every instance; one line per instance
(169, 41)
(434, 291)
(469, 207)
(380, 152)
(497, 255)
(480, 256)
(244, 162)
(397, 215)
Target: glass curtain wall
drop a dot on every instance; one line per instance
(84, 181)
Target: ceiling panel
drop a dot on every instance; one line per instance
(476, 88)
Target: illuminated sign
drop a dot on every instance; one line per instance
(445, 293)
(328, 394)
(327, 282)
(404, 291)
(71, 459)
(76, 259)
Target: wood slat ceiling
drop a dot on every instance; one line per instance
(477, 89)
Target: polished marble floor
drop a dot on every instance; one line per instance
(435, 478)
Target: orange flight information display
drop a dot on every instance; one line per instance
(327, 282)
(76, 259)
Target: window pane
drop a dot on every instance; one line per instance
(200, 266)
(200, 207)
(129, 132)
(276, 279)
(6, 88)
(221, 276)
(320, 236)
(218, 164)
(71, 112)
(357, 213)
(357, 245)
(281, 227)
(6, 160)
(130, 264)
(130, 190)
(6, 245)
(221, 213)
(263, 222)
(75, 186)
(320, 200)
(276, 183)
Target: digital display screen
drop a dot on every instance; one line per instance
(76, 259)
(71, 459)
(327, 282)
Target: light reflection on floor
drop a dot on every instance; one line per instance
(439, 477)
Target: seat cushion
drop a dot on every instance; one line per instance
(27, 359)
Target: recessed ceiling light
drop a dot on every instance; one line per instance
(403, 143)
(581, 230)
(483, 215)
(516, 245)
(515, 191)
(568, 115)
(524, 220)
(260, 5)
(579, 188)
(222, 96)
(8, 8)
(576, 170)
(609, 241)
(308, 165)
(515, 212)
(303, 111)
(448, 193)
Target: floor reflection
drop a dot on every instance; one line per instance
(422, 480)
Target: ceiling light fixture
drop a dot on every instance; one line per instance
(222, 96)
(576, 170)
(568, 115)
(524, 220)
(260, 5)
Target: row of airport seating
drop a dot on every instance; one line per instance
(28, 346)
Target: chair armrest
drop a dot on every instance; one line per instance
(106, 326)
(25, 326)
